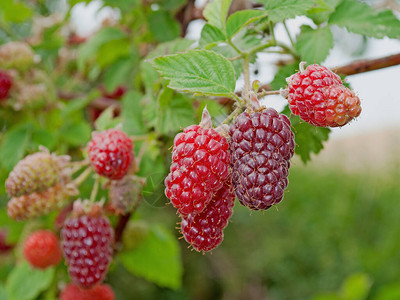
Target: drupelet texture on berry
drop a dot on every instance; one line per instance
(5, 84)
(200, 165)
(98, 292)
(310, 99)
(111, 153)
(36, 173)
(42, 249)
(342, 105)
(39, 203)
(87, 239)
(204, 231)
(261, 145)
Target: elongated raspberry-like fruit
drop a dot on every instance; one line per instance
(87, 239)
(313, 96)
(204, 231)
(39, 203)
(42, 249)
(261, 146)
(98, 292)
(5, 84)
(36, 173)
(111, 153)
(200, 165)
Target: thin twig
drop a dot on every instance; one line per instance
(246, 75)
(264, 93)
(95, 189)
(288, 33)
(119, 230)
(238, 110)
(82, 177)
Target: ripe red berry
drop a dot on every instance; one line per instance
(42, 249)
(117, 93)
(87, 238)
(98, 292)
(111, 153)
(342, 105)
(204, 231)
(310, 99)
(200, 165)
(5, 84)
(261, 146)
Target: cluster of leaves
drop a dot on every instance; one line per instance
(144, 39)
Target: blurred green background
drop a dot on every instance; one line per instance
(336, 235)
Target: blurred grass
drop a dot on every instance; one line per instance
(330, 225)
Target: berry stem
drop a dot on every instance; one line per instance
(246, 75)
(234, 47)
(288, 33)
(82, 177)
(77, 165)
(138, 138)
(95, 189)
(238, 110)
(267, 93)
(119, 229)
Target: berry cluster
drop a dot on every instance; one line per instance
(199, 185)
(41, 183)
(38, 184)
(318, 96)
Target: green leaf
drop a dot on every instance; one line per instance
(112, 51)
(216, 13)
(106, 120)
(314, 45)
(198, 71)
(77, 133)
(163, 26)
(211, 35)
(307, 137)
(90, 49)
(284, 72)
(360, 18)
(118, 73)
(322, 10)
(326, 296)
(3, 292)
(43, 137)
(356, 287)
(175, 111)
(14, 144)
(279, 10)
(242, 18)
(171, 47)
(13, 11)
(132, 119)
(26, 283)
(157, 258)
(388, 292)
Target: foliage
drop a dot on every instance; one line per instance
(168, 80)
